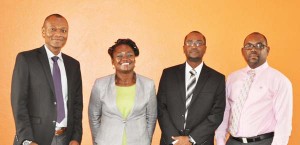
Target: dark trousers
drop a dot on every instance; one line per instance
(267, 141)
(60, 140)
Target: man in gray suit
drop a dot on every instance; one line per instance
(191, 98)
(46, 92)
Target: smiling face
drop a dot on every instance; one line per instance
(194, 47)
(55, 33)
(255, 57)
(123, 59)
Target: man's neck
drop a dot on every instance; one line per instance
(194, 64)
(54, 50)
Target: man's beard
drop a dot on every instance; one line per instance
(195, 59)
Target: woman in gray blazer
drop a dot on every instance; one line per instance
(123, 107)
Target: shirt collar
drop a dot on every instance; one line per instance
(50, 54)
(259, 69)
(197, 69)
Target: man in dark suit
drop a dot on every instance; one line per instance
(46, 93)
(191, 98)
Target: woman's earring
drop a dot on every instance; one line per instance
(113, 66)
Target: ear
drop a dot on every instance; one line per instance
(112, 61)
(44, 32)
(242, 52)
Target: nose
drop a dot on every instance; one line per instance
(125, 58)
(253, 48)
(59, 33)
(194, 44)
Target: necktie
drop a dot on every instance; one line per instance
(58, 90)
(189, 92)
(238, 106)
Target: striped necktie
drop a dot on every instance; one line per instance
(236, 109)
(189, 92)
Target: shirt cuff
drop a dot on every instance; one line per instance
(220, 141)
(192, 140)
(175, 141)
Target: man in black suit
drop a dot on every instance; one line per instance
(37, 93)
(191, 98)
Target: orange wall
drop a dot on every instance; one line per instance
(158, 27)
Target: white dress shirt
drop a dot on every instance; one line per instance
(188, 68)
(64, 83)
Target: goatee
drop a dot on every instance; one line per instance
(194, 59)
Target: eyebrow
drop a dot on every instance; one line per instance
(194, 40)
(122, 52)
(254, 43)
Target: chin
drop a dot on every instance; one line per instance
(126, 71)
(194, 59)
(253, 61)
(58, 45)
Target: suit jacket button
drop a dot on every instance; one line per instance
(54, 103)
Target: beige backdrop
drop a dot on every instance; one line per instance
(158, 27)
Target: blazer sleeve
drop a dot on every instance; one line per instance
(19, 99)
(165, 123)
(95, 110)
(215, 117)
(151, 112)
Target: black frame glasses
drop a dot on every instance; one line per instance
(257, 46)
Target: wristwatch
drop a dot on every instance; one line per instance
(26, 142)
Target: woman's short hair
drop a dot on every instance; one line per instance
(128, 42)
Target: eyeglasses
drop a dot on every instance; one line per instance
(257, 46)
(194, 43)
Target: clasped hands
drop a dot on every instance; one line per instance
(181, 140)
(73, 142)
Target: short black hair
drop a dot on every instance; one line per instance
(197, 33)
(257, 33)
(53, 15)
(128, 42)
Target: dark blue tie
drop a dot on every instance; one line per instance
(58, 90)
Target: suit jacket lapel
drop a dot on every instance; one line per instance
(68, 69)
(181, 81)
(112, 93)
(204, 75)
(138, 95)
(45, 63)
